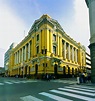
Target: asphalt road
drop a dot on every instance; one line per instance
(18, 89)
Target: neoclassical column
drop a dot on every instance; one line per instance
(69, 51)
(25, 53)
(72, 53)
(58, 42)
(50, 42)
(47, 39)
(19, 56)
(22, 54)
(64, 49)
(15, 58)
(60, 46)
(29, 50)
(34, 48)
(40, 42)
(83, 58)
(32, 45)
(75, 55)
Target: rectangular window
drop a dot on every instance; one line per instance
(54, 49)
(37, 49)
(54, 37)
(37, 37)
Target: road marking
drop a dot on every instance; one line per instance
(16, 81)
(1, 84)
(73, 95)
(23, 82)
(63, 81)
(76, 91)
(8, 82)
(30, 98)
(86, 87)
(27, 81)
(88, 90)
(31, 81)
(55, 97)
(12, 82)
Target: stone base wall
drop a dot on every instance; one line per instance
(92, 52)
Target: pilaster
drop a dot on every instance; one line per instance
(69, 51)
(64, 49)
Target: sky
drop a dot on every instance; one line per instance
(17, 17)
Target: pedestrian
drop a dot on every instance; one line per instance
(47, 77)
(78, 79)
(83, 78)
(89, 78)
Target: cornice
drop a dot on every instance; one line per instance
(21, 43)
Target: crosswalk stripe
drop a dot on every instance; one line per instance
(76, 91)
(30, 98)
(69, 82)
(73, 95)
(13, 81)
(23, 81)
(88, 90)
(16, 81)
(8, 82)
(31, 81)
(55, 97)
(1, 84)
(86, 87)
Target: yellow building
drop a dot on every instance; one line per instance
(47, 49)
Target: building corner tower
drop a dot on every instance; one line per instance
(91, 6)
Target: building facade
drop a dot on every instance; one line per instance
(2, 71)
(91, 6)
(6, 58)
(47, 49)
(88, 63)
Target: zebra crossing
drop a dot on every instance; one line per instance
(65, 81)
(16, 82)
(67, 93)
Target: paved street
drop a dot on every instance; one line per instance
(18, 89)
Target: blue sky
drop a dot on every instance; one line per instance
(17, 16)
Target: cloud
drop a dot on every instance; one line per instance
(81, 22)
(11, 26)
(2, 51)
(78, 27)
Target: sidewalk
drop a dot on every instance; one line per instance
(74, 81)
